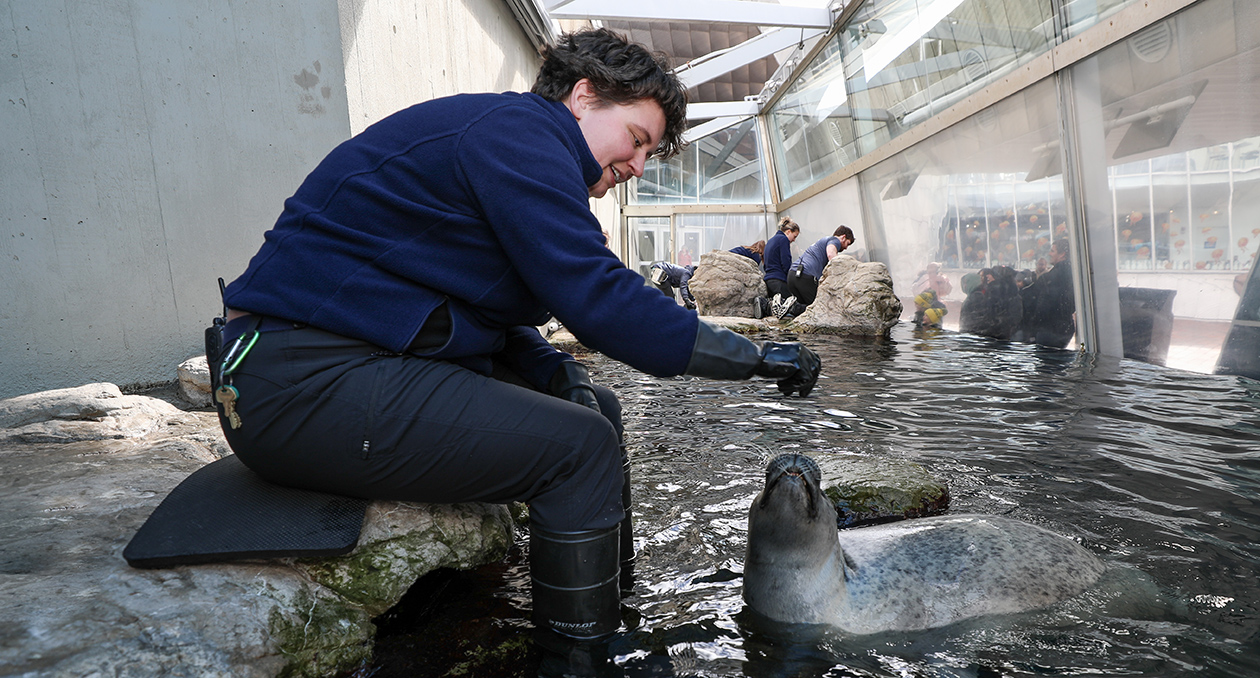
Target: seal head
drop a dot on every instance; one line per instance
(794, 567)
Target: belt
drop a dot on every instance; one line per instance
(237, 326)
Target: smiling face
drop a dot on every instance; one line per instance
(620, 136)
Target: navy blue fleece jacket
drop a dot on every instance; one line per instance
(476, 200)
(778, 257)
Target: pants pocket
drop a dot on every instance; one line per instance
(373, 408)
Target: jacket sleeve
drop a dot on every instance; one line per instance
(530, 355)
(524, 170)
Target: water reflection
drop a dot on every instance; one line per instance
(1154, 470)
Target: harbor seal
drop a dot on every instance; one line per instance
(911, 575)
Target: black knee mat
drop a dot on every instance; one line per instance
(224, 512)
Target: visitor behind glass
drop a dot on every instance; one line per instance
(1053, 323)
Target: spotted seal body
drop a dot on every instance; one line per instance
(904, 576)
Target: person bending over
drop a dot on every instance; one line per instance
(668, 277)
(803, 278)
(753, 251)
(383, 341)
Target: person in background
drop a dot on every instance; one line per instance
(975, 315)
(995, 308)
(1042, 267)
(383, 343)
(753, 251)
(1054, 323)
(931, 278)
(929, 309)
(778, 261)
(1007, 306)
(668, 277)
(803, 278)
(1026, 281)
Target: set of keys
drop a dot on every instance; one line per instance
(227, 395)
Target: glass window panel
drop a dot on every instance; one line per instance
(906, 60)
(1245, 210)
(1081, 14)
(986, 192)
(812, 124)
(1177, 103)
(1170, 212)
(895, 64)
(1133, 222)
(723, 167)
(649, 242)
(705, 232)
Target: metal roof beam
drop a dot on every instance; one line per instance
(715, 11)
(705, 110)
(716, 64)
(715, 125)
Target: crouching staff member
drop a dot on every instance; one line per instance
(388, 323)
(803, 279)
(753, 251)
(667, 277)
(777, 257)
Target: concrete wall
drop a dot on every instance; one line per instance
(146, 146)
(400, 52)
(819, 216)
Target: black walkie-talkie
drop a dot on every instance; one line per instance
(214, 342)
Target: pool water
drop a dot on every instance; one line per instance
(1154, 470)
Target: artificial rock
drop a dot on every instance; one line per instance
(85, 467)
(725, 283)
(854, 298)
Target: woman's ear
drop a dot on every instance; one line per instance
(581, 98)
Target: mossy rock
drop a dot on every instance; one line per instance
(867, 491)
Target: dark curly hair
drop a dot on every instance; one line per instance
(621, 72)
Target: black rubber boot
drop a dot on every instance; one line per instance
(576, 586)
(627, 554)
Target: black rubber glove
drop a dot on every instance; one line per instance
(573, 383)
(722, 354)
(792, 363)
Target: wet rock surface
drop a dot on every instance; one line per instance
(866, 491)
(854, 298)
(85, 467)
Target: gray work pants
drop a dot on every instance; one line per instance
(325, 412)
